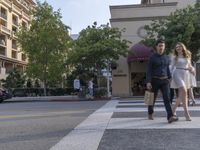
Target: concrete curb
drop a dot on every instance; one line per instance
(70, 98)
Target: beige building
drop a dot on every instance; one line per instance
(129, 75)
(13, 13)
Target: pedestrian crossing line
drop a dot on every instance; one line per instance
(141, 107)
(157, 123)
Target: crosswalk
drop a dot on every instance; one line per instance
(133, 115)
(125, 119)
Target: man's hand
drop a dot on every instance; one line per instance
(149, 86)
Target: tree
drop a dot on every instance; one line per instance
(96, 47)
(178, 27)
(15, 79)
(195, 39)
(45, 43)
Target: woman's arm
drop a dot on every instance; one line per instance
(191, 68)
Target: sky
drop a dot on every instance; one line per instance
(78, 14)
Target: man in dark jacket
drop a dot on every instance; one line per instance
(158, 77)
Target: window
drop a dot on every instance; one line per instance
(14, 44)
(3, 13)
(2, 40)
(3, 23)
(23, 57)
(14, 29)
(24, 24)
(15, 20)
(14, 54)
(2, 51)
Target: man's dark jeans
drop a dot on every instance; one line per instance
(164, 87)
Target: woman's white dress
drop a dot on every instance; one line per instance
(180, 74)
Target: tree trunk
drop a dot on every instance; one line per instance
(98, 77)
(45, 87)
(45, 73)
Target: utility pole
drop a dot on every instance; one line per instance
(108, 79)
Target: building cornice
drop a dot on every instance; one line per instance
(144, 5)
(137, 19)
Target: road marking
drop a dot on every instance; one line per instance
(87, 135)
(157, 123)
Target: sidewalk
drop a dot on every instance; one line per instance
(51, 98)
(123, 125)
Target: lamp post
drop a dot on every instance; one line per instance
(108, 79)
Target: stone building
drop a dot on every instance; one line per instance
(129, 75)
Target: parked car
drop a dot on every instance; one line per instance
(4, 94)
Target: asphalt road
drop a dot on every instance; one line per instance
(40, 125)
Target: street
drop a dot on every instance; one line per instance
(40, 125)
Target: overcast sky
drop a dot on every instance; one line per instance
(78, 14)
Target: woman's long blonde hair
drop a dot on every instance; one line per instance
(186, 53)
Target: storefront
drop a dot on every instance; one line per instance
(137, 60)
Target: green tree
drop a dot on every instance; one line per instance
(178, 27)
(45, 43)
(195, 39)
(15, 79)
(97, 46)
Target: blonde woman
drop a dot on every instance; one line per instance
(181, 76)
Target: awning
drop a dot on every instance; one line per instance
(139, 52)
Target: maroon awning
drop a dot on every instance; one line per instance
(139, 52)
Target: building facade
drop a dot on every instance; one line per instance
(129, 76)
(13, 14)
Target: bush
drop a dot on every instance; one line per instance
(100, 92)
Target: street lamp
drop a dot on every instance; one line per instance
(108, 79)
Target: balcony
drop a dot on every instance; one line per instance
(17, 9)
(5, 29)
(7, 3)
(26, 16)
(24, 4)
